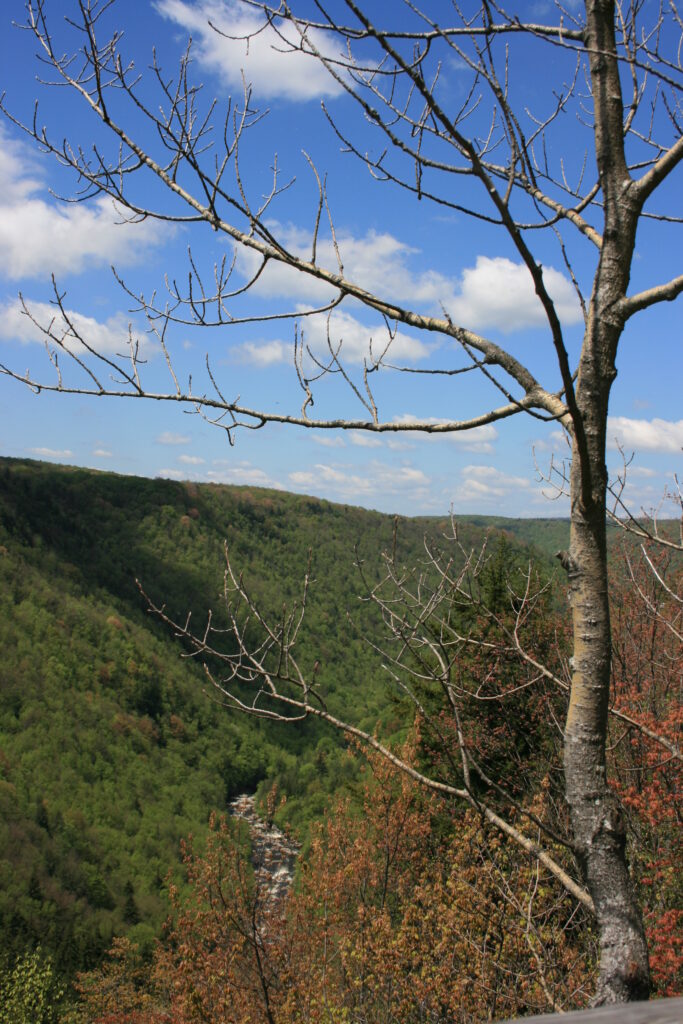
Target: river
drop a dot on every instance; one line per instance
(273, 852)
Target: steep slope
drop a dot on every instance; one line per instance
(110, 750)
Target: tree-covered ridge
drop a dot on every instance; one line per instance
(110, 751)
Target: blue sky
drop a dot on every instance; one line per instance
(428, 257)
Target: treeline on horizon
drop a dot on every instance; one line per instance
(112, 750)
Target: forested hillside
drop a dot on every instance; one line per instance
(110, 748)
(113, 750)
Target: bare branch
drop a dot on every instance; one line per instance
(661, 293)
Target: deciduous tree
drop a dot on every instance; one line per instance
(393, 918)
(647, 670)
(484, 158)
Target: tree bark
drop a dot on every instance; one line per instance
(597, 821)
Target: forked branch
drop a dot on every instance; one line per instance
(252, 664)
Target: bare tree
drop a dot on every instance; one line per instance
(488, 159)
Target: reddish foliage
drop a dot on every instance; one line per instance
(409, 909)
(403, 912)
(647, 675)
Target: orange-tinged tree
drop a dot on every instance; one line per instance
(120, 991)
(427, 914)
(408, 907)
(647, 677)
(614, 69)
(403, 911)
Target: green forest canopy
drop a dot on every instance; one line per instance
(110, 749)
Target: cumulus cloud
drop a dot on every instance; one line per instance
(494, 293)
(169, 438)
(52, 453)
(559, 437)
(641, 471)
(171, 474)
(557, 441)
(264, 353)
(109, 336)
(328, 440)
(40, 237)
(241, 472)
(478, 439)
(191, 460)
(484, 482)
(499, 293)
(377, 260)
(102, 453)
(399, 446)
(361, 440)
(654, 435)
(19, 174)
(358, 342)
(344, 482)
(268, 65)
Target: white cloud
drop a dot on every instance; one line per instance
(328, 441)
(358, 343)
(241, 472)
(109, 337)
(52, 453)
(645, 499)
(546, 502)
(40, 237)
(494, 293)
(560, 437)
(272, 72)
(376, 260)
(102, 453)
(491, 473)
(362, 440)
(17, 164)
(500, 294)
(191, 460)
(486, 482)
(637, 471)
(556, 441)
(171, 474)
(264, 353)
(170, 438)
(478, 439)
(343, 482)
(645, 435)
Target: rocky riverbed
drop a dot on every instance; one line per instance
(273, 853)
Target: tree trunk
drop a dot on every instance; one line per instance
(597, 821)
